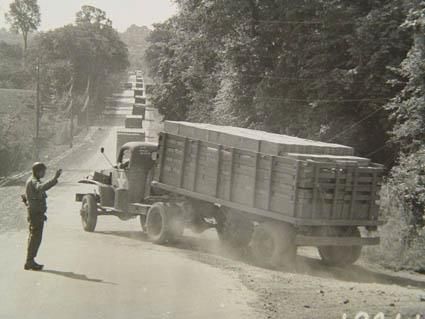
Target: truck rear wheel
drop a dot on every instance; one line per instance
(340, 255)
(234, 229)
(89, 213)
(164, 223)
(273, 244)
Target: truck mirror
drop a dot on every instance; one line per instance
(102, 150)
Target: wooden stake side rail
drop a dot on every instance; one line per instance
(302, 192)
(265, 213)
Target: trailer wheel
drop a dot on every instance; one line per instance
(164, 223)
(234, 229)
(89, 213)
(273, 244)
(340, 255)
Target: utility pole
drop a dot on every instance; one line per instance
(37, 113)
(71, 129)
(87, 102)
(71, 113)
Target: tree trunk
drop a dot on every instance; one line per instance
(84, 113)
(25, 36)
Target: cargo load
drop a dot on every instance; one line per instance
(261, 172)
(254, 140)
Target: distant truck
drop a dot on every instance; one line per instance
(271, 192)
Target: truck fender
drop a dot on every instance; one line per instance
(90, 182)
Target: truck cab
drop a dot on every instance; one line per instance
(121, 190)
(135, 163)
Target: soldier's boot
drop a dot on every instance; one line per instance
(32, 265)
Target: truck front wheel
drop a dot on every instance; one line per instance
(164, 223)
(273, 244)
(340, 255)
(89, 213)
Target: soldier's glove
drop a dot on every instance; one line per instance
(58, 173)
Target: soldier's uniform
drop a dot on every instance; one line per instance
(37, 207)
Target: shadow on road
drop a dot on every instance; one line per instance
(304, 265)
(75, 276)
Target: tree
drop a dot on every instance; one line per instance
(135, 37)
(24, 17)
(89, 15)
(315, 69)
(407, 178)
(82, 58)
(408, 107)
(12, 74)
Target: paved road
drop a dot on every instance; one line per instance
(116, 273)
(113, 273)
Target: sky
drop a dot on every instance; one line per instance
(123, 13)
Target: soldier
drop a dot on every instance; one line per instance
(35, 199)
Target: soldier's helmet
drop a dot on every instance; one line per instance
(38, 167)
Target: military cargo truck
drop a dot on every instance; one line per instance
(269, 192)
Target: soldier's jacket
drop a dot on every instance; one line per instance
(36, 194)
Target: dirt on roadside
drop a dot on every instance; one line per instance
(312, 290)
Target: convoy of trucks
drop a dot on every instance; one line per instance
(269, 192)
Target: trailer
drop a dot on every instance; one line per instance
(134, 121)
(127, 135)
(269, 192)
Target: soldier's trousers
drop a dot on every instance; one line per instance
(35, 236)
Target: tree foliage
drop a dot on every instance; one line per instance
(343, 71)
(406, 182)
(91, 16)
(24, 17)
(408, 107)
(82, 57)
(135, 37)
(12, 74)
(316, 69)
(80, 64)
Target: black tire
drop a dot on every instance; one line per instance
(233, 228)
(164, 223)
(273, 244)
(340, 255)
(89, 213)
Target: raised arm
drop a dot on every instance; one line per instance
(44, 187)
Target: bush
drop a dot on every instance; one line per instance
(403, 206)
